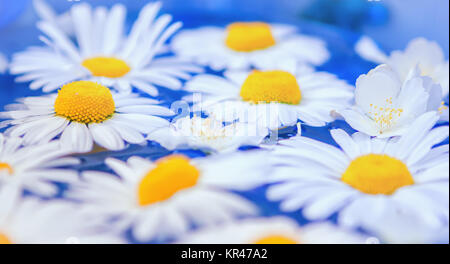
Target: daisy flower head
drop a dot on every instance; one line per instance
(163, 199)
(427, 55)
(83, 113)
(385, 106)
(208, 134)
(245, 45)
(272, 99)
(32, 221)
(34, 167)
(103, 53)
(369, 182)
(273, 230)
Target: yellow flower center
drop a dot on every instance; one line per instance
(106, 67)
(84, 102)
(276, 239)
(6, 167)
(4, 239)
(249, 36)
(377, 174)
(385, 116)
(171, 175)
(271, 86)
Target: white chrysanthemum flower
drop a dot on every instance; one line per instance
(3, 63)
(163, 199)
(31, 221)
(208, 134)
(102, 52)
(33, 167)
(243, 45)
(275, 230)
(385, 106)
(272, 99)
(46, 13)
(84, 113)
(373, 183)
(427, 55)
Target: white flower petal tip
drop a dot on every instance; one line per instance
(208, 134)
(33, 168)
(113, 122)
(162, 199)
(368, 49)
(381, 185)
(101, 51)
(54, 222)
(310, 97)
(385, 106)
(278, 46)
(274, 230)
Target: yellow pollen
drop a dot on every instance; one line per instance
(106, 67)
(171, 175)
(6, 167)
(385, 117)
(377, 174)
(249, 36)
(85, 102)
(271, 86)
(276, 239)
(4, 239)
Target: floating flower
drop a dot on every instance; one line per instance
(104, 54)
(33, 167)
(30, 221)
(84, 112)
(163, 199)
(372, 183)
(384, 106)
(427, 55)
(272, 99)
(243, 45)
(208, 134)
(275, 230)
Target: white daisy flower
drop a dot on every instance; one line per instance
(163, 199)
(385, 106)
(427, 55)
(30, 221)
(243, 45)
(3, 63)
(370, 182)
(33, 167)
(272, 99)
(102, 52)
(46, 13)
(274, 230)
(83, 113)
(208, 134)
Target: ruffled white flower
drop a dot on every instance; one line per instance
(245, 45)
(3, 63)
(385, 106)
(275, 230)
(208, 134)
(83, 113)
(31, 221)
(427, 55)
(271, 99)
(163, 199)
(394, 188)
(33, 167)
(102, 52)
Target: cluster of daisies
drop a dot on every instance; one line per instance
(388, 182)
